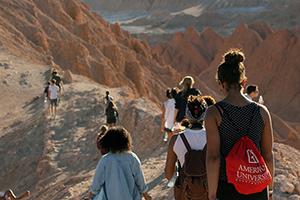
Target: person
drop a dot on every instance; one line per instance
(252, 118)
(119, 172)
(192, 138)
(57, 78)
(53, 96)
(46, 96)
(187, 89)
(108, 98)
(103, 130)
(168, 114)
(9, 195)
(112, 114)
(252, 92)
(46, 90)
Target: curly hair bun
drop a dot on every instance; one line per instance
(234, 57)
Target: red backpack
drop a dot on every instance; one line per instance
(245, 166)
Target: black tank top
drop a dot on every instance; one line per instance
(247, 119)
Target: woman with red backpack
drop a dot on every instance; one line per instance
(239, 161)
(189, 148)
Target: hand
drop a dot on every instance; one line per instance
(89, 196)
(147, 196)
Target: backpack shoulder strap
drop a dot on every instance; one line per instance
(186, 143)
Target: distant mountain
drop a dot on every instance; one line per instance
(223, 16)
(83, 42)
(139, 5)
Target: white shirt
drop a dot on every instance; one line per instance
(2, 194)
(53, 89)
(169, 113)
(196, 139)
(108, 99)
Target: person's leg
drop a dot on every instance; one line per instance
(54, 115)
(51, 108)
(55, 107)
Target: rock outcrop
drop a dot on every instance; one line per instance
(82, 42)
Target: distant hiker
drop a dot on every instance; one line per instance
(46, 90)
(108, 98)
(189, 148)
(53, 95)
(119, 172)
(57, 78)
(187, 89)
(47, 96)
(112, 114)
(239, 137)
(103, 130)
(168, 114)
(9, 195)
(252, 92)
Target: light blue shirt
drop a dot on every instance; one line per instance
(120, 176)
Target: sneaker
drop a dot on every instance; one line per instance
(165, 137)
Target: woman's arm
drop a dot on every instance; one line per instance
(99, 177)
(176, 113)
(213, 152)
(267, 141)
(171, 159)
(139, 175)
(147, 196)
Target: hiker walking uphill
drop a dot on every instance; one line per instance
(187, 89)
(118, 173)
(103, 130)
(239, 137)
(168, 114)
(108, 98)
(189, 148)
(53, 96)
(58, 80)
(112, 114)
(47, 96)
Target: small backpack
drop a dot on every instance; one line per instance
(245, 166)
(194, 172)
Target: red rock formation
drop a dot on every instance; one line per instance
(81, 42)
(190, 52)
